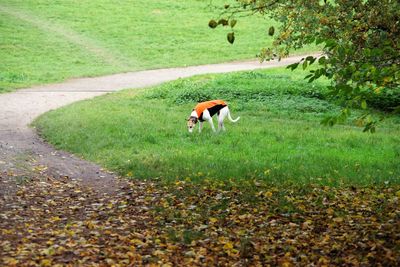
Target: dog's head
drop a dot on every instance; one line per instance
(191, 122)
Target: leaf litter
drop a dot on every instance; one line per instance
(59, 222)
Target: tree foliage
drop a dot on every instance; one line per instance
(360, 42)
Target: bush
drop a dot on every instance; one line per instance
(244, 86)
(386, 100)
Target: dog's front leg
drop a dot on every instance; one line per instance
(212, 124)
(207, 117)
(200, 126)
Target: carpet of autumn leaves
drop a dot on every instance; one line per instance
(58, 222)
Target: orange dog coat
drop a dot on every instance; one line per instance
(213, 106)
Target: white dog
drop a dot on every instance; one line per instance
(205, 111)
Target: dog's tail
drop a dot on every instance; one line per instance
(230, 118)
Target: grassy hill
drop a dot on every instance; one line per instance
(279, 138)
(50, 41)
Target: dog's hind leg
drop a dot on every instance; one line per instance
(221, 123)
(221, 117)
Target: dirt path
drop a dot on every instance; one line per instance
(21, 150)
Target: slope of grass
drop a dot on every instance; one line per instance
(47, 41)
(278, 140)
(29, 56)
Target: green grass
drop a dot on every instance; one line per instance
(48, 41)
(279, 138)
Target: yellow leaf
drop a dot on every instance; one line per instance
(45, 262)
(55, 219)
(10, 261)
(242, 217)
(158, 252)
(338, 219)
(268, 194)
(234, 251)
(137, 242)
(286, 264)
(330, 211)
(40, 168)
(228, 246)
(110, 261)
(90, 225)
(323, 261)
(213, 220)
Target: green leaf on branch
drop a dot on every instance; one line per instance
(311, 59)
(271, 31)
(231, 37)
(305, 64)
(293, 66)
(212, 24)
(233, 23)
(223, 22)
(322, 60)
(364, 104)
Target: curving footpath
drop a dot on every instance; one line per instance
(22, 150)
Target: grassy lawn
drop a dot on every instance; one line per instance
(46, 41)
(279, 139)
